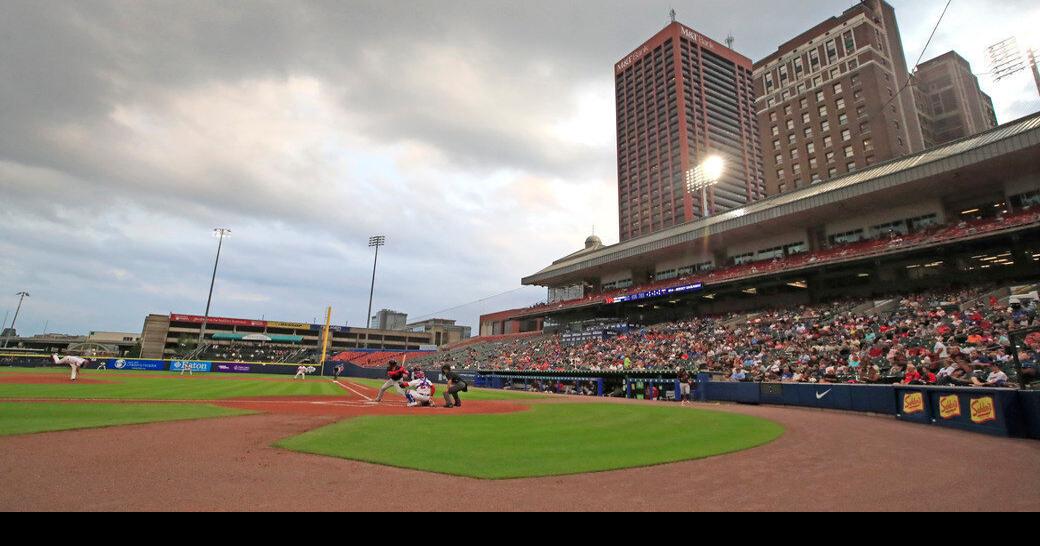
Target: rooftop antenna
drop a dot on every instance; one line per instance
(729, 40)
(671, 14)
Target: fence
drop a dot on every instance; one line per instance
(137, 364)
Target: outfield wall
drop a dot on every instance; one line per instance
(149, 365)
(998, 412)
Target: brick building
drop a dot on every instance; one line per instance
(829, 101)
(681, 98)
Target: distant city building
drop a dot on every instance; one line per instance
(387, 319)
(950, 102)
(829, 100)
(444, 331)
(174, 335)
(97, 344)
(113, 337)
(682, 98)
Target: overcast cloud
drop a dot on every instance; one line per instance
(476, 135)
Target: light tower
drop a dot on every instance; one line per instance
(375, 241)
(21, 297)
(703, 176)
(220, 234)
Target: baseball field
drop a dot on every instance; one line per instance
(149, 440)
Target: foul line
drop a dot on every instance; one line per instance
(352, 390)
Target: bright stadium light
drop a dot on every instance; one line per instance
(220, 234)
(713, 167)
(375, 241)
(701, 177)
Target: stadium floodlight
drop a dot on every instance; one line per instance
(1035, 68)
(21, 297)
(374, 241)
(1005, 59)
(220, 234)
(703, 176)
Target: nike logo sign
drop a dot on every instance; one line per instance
(822, 396)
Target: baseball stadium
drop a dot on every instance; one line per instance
(864, 341)
(751, 386)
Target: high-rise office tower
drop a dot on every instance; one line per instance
(681, 99)
(949, 100)
(836, 99)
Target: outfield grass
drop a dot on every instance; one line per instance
(166, 386)
(29, 418)
(140, 385)
(547, 440)
(473, 394)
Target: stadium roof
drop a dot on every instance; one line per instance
(946, 159)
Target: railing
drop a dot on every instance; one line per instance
(859, 250)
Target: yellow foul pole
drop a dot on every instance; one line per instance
(325, 338)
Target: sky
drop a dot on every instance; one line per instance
(477, 136)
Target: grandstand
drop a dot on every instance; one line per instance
(955, 334)
(378, 359)
(962, 214)
(475, 352)
(235, 339)
(926, 261)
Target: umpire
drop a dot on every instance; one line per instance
(455, 386)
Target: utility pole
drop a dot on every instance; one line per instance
(21, 297)
(1036, 71)
(374, 241)
(219, 233)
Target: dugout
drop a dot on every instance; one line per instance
(653, 388)
(584, 385)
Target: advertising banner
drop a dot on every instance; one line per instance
(140, 365)
(244, 367)
(229, 367)
(223, 321)
(990, 411)
(656, 293)
(913, 405)
(291, 325)
(199, 367)
(332, 328)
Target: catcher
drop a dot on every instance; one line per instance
(419, 390)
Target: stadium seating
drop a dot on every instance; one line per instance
(853, 251)
(245, 352)
(826, 343)
(377, 359)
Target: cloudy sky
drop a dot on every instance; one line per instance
(476, 135)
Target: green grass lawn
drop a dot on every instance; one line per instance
(167, 386)
(473, 394)
(28, 418)
(141, 385)
(547, 440)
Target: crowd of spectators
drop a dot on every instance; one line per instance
(955, 337)
(241, 352)
(879, 243)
